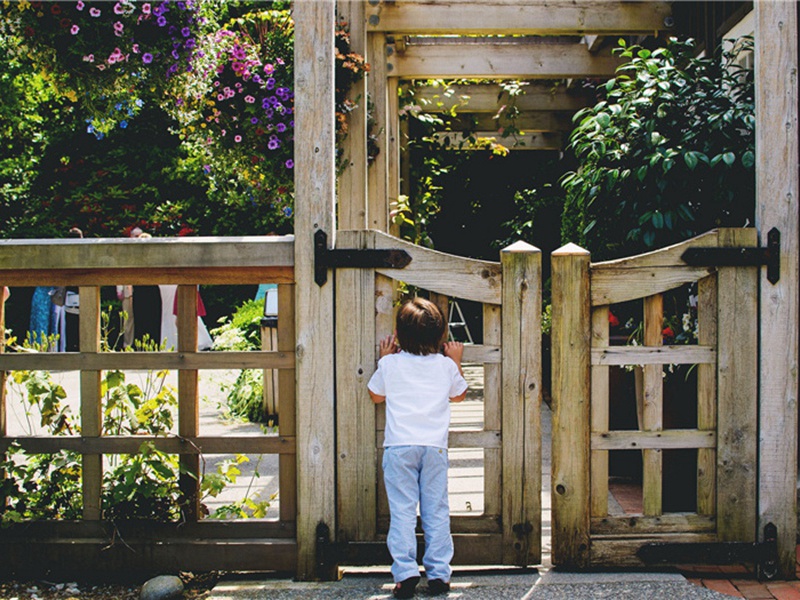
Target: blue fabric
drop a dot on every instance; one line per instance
(262, 289)
(42, 321)
(418, 475)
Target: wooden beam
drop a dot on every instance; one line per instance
(526, 122)
(229, 275)
(542, 140)
(315, 193)
(490, 97)
(777, 191)
(494, 60)
(91, 403)
(507, 17)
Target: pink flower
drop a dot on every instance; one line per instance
(74, 29)
(118, 9)
(135, 48)
(95, 12)
(249, 99)
(79, 5)
(237, 138)
(146, 8)
(88, 58)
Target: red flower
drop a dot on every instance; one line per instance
(55, 9)
(612, 319)
(667, 332)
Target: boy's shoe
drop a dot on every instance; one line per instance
(405, 588)
(436, 587)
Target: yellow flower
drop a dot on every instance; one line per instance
(23, 5)
(71, 96)
(202, 125)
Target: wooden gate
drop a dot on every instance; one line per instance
(508, 530)
(589, 529)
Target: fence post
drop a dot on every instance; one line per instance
(188, 409)
(571, 339)
(91, 405)
(522, 395)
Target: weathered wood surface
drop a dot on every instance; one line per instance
(356, 456)
(526, 121)
(663, 355)
(707, 396)
(287, 465)
(737, 420)
(493, 60)
(455, 276)
(378, 169)
(669, 439)
(91, 405)
(492, 416)
(612, 285)
(542, 140)
(653, 407)
(599, 413)
(483, 438)
(521, 379)
(517, 17)
(490, 98)
(188, 399)
(777, 191)
(458, 524)
(315, 193)
(667, 523)
(669, 256)
(571, 344)
(620, 551)
(93, 361)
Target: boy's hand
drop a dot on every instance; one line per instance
(388, 346)
(454, 351)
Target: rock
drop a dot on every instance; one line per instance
(162, 587)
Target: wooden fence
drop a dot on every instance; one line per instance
(194, 544)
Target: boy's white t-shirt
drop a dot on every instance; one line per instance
(418, 391)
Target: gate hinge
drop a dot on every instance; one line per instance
(764, 554)
(741, 257)
(352, 258)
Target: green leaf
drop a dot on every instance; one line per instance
(729, 158)
(657, 220)
(748, 159)
(690, 159)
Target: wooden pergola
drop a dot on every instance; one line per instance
(365, 192)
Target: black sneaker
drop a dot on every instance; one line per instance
(405, 588)
(437, 587)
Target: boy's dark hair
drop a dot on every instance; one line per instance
(420, 326)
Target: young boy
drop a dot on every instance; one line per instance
(418, 384)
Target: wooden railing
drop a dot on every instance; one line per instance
(194, 543)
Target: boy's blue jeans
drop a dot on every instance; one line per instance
(418, 474)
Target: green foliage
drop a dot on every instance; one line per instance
(228, 472)
(667, 154)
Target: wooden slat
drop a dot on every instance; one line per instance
(493, 60)
(3, 408)
(669, 439)
(571, 344)
(156, 253)
(463, 439)
(527, 122)
(542, 140)
(653, 407)
(315, 194)
(662, 355)
(668, 523)
(613, 286)
(777, 193)
(521, 399)
(384, 325)
(253, 444)
(707, 395)
(466, 278)
(487, 354)
(476, 548)
(135, 361)
(599, 414)
(517, 17)
(355, 413)
(737, 433)
(392, 149)
(663, 257)
(458, 524)
(230, 275)
(188, 400)
(287, 465)
(620, 551)
(378, 170)
(491, 97)
(492, 458)
(91, 406)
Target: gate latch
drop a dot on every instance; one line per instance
(352, 258)
(764, 554)
(741, 257)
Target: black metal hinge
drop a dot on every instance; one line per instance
(741, 257)
(352, 258)
(764, 554)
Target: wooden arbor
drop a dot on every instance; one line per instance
(365, 194)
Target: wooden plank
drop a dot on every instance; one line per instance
(287, 465)
(653, 407)
(91, 405)
(492, 420)
(668, 523)
(670, 439)
(613, 286)
(669, 256)
(526, 122)
(493, 60)
(476, 548)
(661, 355)
(467, 278)
(156, 253)
(571, 344)
(458, 524)
(355, 412)
(521, 379)
(777, 192)
(384, 325)
(707, 396)
(135, 361)
(620, 551)
(474, 98)
(252, 444)
(188, 400)
(378, 169)
(522, 141)
(518, 17)
(599, 413)
(352, 182)
(737, 452)
(315, 193)
(147, 276)
(464, 439)
(392, 148)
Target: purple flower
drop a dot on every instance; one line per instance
(269, 69)
(269, 113)
(172, 70)
(181, 6)
(190, 43)
(147, 58)
(175, 55)
(238, 52)
(123, 124)
(270, 83)
(280, 128)
(207, 168)
(288, 210)
(254, 120)
(273, 144)
(289, 164)
(162, 21)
